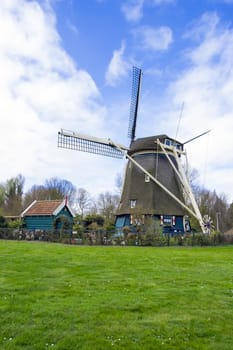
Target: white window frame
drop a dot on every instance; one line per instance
(133, 203)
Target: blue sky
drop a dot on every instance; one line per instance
(68, 64)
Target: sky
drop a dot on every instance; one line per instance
(67, 64)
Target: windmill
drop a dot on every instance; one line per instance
(155, 182)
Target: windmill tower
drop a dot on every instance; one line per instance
(155, 183)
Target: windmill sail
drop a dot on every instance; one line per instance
(84, 143)
(137, 74)
(196, 137)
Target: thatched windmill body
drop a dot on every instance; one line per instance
(155, 182)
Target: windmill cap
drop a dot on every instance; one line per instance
(149, 143)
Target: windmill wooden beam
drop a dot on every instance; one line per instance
(181, 174)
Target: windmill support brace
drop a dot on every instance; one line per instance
(194, 214)
(185, 183)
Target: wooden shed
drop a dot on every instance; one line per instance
(48, 215)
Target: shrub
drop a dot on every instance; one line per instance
(3, 222)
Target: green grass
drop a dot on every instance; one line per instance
(77, 297)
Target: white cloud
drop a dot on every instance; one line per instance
(72, 27)
(41, 91)
(206, 87)
(153, 38)
(162, 2)
(133, 10)
(203, 27)
(118, 66)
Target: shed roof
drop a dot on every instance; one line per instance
(46, 207)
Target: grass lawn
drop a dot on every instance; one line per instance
(54, 296)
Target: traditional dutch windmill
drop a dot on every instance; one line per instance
(155, 182)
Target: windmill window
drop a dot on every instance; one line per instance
(133, 203)
(147, 178)
(173, 143)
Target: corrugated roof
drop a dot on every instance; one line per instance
(45, 207)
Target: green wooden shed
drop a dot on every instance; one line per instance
(48, 215)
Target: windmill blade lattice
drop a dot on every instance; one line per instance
(137, 74)
(77, 142)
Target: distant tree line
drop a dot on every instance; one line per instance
(100, 212)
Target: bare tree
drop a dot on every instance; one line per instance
(53, 188)
(13, 195)
(60, 188)
(37, 192)
(83, 200)
(119, 182)
(2, 198)
(213, 205)
(107, 204)
(230, 216)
